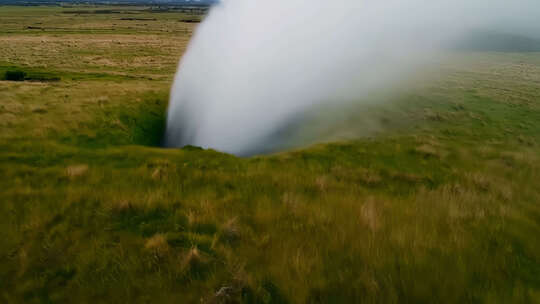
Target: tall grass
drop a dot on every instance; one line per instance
(439, 205)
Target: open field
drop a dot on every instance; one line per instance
(434, 199)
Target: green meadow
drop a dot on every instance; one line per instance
(432, 196)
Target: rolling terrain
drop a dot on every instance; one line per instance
(431, 196)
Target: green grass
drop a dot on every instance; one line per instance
(429, 196)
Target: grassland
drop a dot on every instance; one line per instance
(437, 203)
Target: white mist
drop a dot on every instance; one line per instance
(252, 67)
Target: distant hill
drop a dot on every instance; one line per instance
(498, 42)
(111, 2)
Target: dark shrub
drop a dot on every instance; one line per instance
(15, 75)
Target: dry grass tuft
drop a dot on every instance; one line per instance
(369, 214)
(193, 259)
(159, 174)
(365, 176)
(192, 218)
(76, 171)
(480, 181)
(158, 245)
(370, 177)
(505, 192)
(122, 206)
(322, 183)
(39, 110)
(407, 177)
(427, 151)
(433, 116)
(230, 231)
(224, 295)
